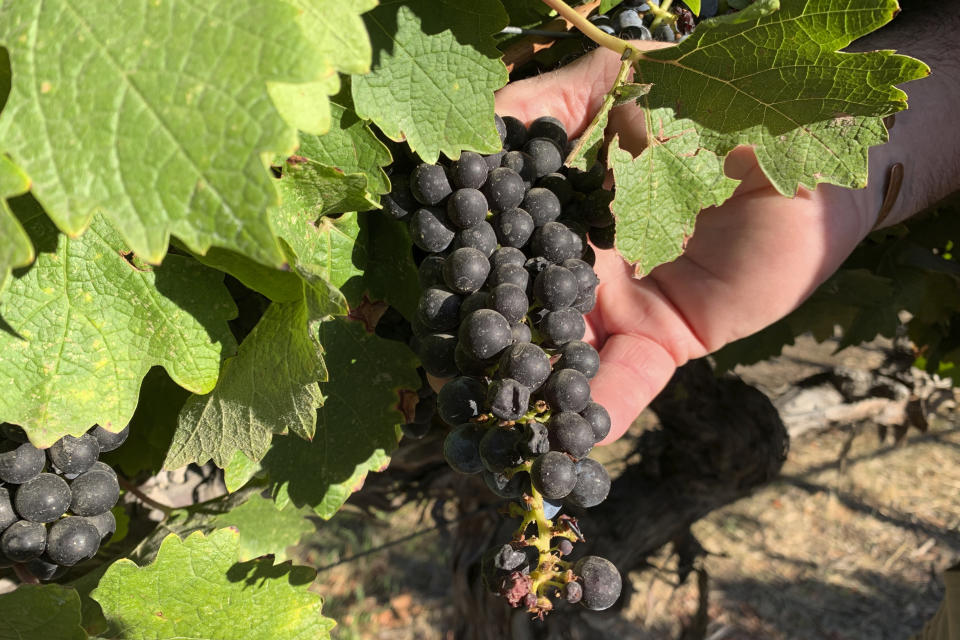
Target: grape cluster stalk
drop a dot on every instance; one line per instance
(506, 274)
(55, 504)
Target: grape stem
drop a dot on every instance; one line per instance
(144, 498)
(660, 14)
(588, 29)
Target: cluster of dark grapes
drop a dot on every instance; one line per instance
(506, 274)
(55, 504)
(638, 20)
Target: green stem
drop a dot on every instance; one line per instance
(591, 31)
(144, 498)
(660, 14)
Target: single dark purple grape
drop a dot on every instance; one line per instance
(562, 326)
(554, 475)
(504, 189)
(571, 434)
(627, 18)
(461, 400)
(498, 449)
(589, 180)
(23, 541)
(516, 133)
(426, 407)
(551, 128)
(596, 208)
(513, 227)
(585, 302)
(430, 230)
(72, 540)
(551, 508)
(508, 399)
(536, 439)
(572, 591)
(587, 279)
(559, 185)
(547, 157)
(7, 514)
(521, 333)
(510, 301)
(399, 203)
(439, 309)
(430, 272)
(474, 301)
(508, 558)
(414, 430)
(501, 127)
(106, 525)
(505, 487)
(526, 363)
(567, 390)
(602, 237)
(664, 33)
(523, 164)
(99, 465)
(20, 462)
(43, 499)
(429, 184)
(601, 582)
(565, 547)
(461, 448)
(493, 160)
(467, 365)
(43, 570)
(465, 270)
(93, 493)
(437, 354)
(507, 255)
(593, 484)
(553, 241)
(481, 237)
(466, 208)
(555, 287)
(599, 420)
(470, 171)
(109, 440)
(581, 356)
(15, 433)
(485, 333)
(509, 274)
(542, 205)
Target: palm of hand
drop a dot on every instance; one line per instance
(749, 262)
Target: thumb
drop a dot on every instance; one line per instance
(572, 94)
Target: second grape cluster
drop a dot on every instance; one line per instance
(506, 274)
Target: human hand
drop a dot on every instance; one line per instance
(749, 262)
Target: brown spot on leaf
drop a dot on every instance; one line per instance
(297, 160)
(368, 312)
(407, 404)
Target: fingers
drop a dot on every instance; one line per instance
(572, 94)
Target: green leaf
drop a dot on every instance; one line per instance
(584, 154)
(16, 250)
(264, 529)
(40, 612)
(151, 427)
(693, 5)
(435, 68)
(810, 112)
(350, 146)
(338, 30)
(654, 218)
(391, 273)
(269, 387)
(196, 589)
(239, 471)
(86, 325)
(305, 106)
(159, 120)
(357, 427)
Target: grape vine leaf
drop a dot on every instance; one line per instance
(247, 407)
(391, 273)
(16, 250)
(305, 105)
(196, 589)
(41, 612)
(435, 68)
(264, 530)
(161, 118)
(357, 427)
(338, 30)
(88, 320)
(773, 79)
